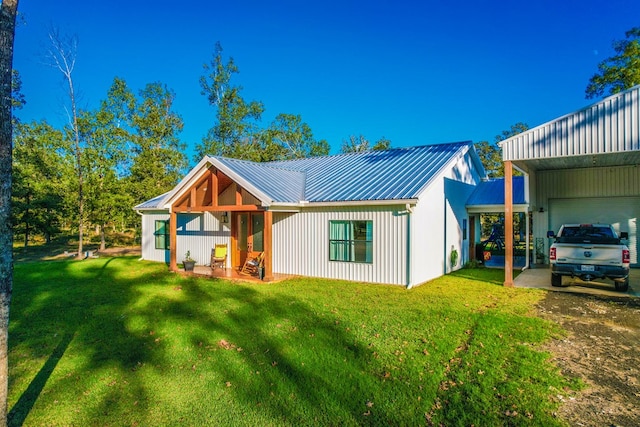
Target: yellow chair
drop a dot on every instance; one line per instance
(219, 256)
(251, 265)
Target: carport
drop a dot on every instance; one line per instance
(582, 167)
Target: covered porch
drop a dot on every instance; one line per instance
(243, 222)
(235, 275)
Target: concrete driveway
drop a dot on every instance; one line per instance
(540, 277)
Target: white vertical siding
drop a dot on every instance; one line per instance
(149, 251)
(427, 235)
(199, 233)
(610, 126)
(301, 244)
(437, 221)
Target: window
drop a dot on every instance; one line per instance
(351, 241)
(162, 234)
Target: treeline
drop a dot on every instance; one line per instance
(128, 152)
(91, 172)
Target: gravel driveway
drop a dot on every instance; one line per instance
(602, 348)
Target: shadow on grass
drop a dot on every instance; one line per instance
(84, 302)
(23, 406)
(108, 315)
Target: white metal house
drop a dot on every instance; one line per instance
(391, 216)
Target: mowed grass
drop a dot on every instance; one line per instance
(117, 342)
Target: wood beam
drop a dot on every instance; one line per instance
(238, 195)
(268, 246)
(192, 200)
(173, 241)
(213, 185)
(508, 224)
(219, 208)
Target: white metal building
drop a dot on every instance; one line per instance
(582, 168)
(392, 216)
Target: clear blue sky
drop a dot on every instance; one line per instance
(415, 72)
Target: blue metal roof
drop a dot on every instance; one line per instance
(155, 203)
(491, 192)
(395, 174)
(280, 184)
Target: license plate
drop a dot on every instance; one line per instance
(587, 268)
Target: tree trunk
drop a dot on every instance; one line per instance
(103, 242)
(7, 33)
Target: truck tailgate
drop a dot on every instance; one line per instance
(588, 253)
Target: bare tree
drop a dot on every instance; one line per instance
(62, 56)
(7, 34)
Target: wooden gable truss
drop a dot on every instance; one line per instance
(216, 192)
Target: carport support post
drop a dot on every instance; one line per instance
(508, 224)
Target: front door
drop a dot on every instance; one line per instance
(249, 236)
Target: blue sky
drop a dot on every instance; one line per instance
(415, 72)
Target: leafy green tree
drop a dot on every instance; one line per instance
(289, 137)
(235, 133)
(17, 97)
(619, 72)
(40, 181)
(491, 158)
(360, 144)
(106, 153)
(159, 160)
(381, 144)
(490, 153)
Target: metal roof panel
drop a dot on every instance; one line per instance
(155, 203)
(280, 184)
(399, 173)
(491, 192)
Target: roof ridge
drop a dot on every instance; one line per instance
(261, 164)
(373, 152)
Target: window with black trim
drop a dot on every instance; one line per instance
(161, 234)
(351, 241)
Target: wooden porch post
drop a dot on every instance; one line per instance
(508, 224)
(173, 225)
(268, 245)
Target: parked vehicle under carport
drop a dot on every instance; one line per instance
(589, 251)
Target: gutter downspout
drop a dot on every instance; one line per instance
(408, 262)
(444, 242)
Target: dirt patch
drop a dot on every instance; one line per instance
(44, 253)
(602, 348)
(128, 251)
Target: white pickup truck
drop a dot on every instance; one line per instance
(589, 251)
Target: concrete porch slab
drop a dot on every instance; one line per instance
(540, 278)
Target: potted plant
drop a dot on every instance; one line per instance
(188, 262)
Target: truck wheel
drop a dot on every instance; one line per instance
(556, 280)
(622, 285)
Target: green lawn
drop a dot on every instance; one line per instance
(116, 341)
